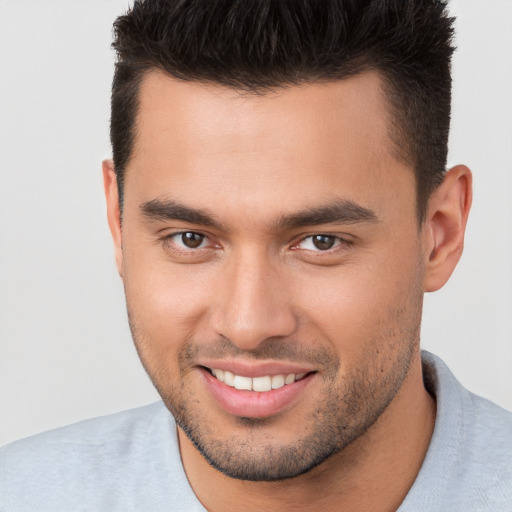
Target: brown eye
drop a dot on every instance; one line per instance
(323, 242)
(191, 240)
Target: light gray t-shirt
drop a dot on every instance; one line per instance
(130, 461)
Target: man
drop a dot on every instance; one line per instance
(279, 204)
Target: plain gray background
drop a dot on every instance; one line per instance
(66, 352)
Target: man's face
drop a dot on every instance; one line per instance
(273, 238)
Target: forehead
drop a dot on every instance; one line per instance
(315, 113)
(291, 144)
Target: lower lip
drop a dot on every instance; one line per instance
(254, 404)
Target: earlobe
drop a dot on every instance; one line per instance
(113, 210)
(445, 225)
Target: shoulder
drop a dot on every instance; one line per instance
(485, 462)
(97, 434)
(468, 465)
(113, 462)
(478, 424)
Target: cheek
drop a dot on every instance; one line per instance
(166, 301)
(363, 308)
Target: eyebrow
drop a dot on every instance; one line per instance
(158, 209)
(341, 211)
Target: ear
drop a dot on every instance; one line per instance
(445, 225)
(113, 210)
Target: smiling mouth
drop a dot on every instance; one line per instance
(258, 384)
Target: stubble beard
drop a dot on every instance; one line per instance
(346, 409)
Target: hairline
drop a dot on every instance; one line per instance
(394, 121)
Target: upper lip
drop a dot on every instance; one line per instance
(257, 368)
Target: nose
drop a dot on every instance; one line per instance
(253, 304)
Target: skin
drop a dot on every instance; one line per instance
(257, 289)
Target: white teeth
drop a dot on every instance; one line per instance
(219, 374)
(277, 381)
(243, 382)
(229, 378)
(289, 378)
(259, 384)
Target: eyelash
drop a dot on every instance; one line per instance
(174, 236)
(340, 243)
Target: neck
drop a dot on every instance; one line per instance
(375, 472)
